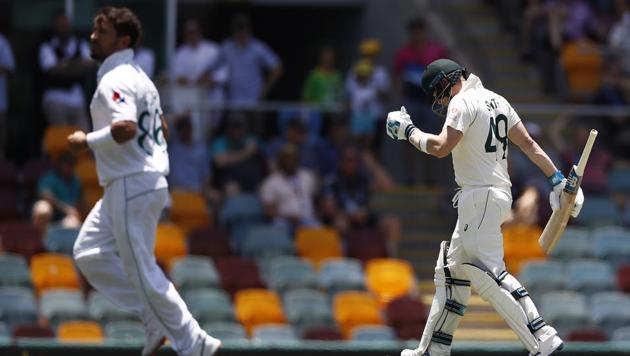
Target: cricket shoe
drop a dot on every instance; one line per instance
(152, 343)
(549, 346)
(207, 347)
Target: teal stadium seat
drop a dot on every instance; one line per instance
(612, 243)
(124, 331)
(341, 274)
(373, 333)
(270, 333)
(565, 310)
(541, 276)
(610, 310)
(619, 180)
(60, 239)
(575, 243)
(589, 276)
(621, 334)
(286, 273)
(224, 330)
(306, 309)
(266, 241)
(59, 305)
(599, 211)
(194, 272)
(5, 334)
(104, 311)
(17, 306)
(210, 305)
(14, 271)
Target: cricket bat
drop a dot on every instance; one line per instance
(559, 218)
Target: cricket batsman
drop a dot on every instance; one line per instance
(479, 123)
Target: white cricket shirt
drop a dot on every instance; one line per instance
(484, 117)
(124, 92)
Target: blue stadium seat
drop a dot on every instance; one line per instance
(59, 305)
(14, 271)
(60, 239)
(373, 333)
(307, 308)
(226, 330)
(619, 180)
(542, 276)
(610, 310)
(575, 243)
(266, 241)
(128, 332)
(17, 306)
(612, 243)
(565, 310)
(290, 272)
(210, 305)
(241, 208)
(621, 334)
(589, 276)
(274, 333)
(194, 272)
(341, 274)
(5, 334)
(104, 311)
(599, 211)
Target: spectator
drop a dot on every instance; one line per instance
(64, 61)
(370, 49)
(347, 197)
(190, 165)
(323, 84)
(237, 158)
(619, 38)
(248, 59)
(145, 58)
(365, 106)
(288, 194)
(7, 65)
(60, 196)
(296, 134)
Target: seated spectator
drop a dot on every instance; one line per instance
(619, 37)
(7, 65)
(365, 105)
(323, 84)
(64, 61)
(238, 158)
(296, 134)
(248, 59)
(370, 49)
(346, 200)
(60, 196)
(189, 162)
(288, 194)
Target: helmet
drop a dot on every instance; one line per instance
(438, 79)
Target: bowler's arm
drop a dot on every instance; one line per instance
(439, 145)
(519, 135)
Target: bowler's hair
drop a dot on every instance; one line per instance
(124, 21)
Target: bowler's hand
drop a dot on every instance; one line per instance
(77, 142)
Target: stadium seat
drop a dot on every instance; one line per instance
(406, 316)
(322, 333)
(226, 331)
(258, 306)
(104, 311)
(14, 271)
(610, 310)
(238, 273)
(266, 241)
(86, 171)
(193, 272)
(9, 209)
(373, 333)
(213, 242)
(619, 180)
(612, 243)
(317, 244)
(51, 270)
(582, 61)
(286, 273)
(17, 306)
(575, 243)
(60, 305)
(56, 140)
(32, 330)
(21, 238)
(60, 239)
(389, 278)
(589, 276)
(341, 274)
(125, 331)
(210, 305)
(274, 333)
(623, 278)
(352, 309)
(591, 334)
(189, 210)
(599, 211)
(521, 244)
(170, 243)
(5, 335)
(241, 209)
(543, 276)
(621, 334)
(366, 244)
(306, 309)
(80, 332)
(565, 310)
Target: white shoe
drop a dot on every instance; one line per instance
(152, 343)
(549, 346)
(208, 347)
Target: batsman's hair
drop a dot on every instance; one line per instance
(124, 21)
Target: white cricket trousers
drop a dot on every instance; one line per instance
(114, 250)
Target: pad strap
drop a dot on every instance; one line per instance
(536, 324)
(442, 338)
(455, 307)
(520, 293)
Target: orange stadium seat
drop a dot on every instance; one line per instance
(170, 242)
(352, 309)
(80, 331)
(189, 210)
(317, 244)
(521, 244)
(582, 62)
(389, 278)
(51, 270)
(55, 139)
(92, 191)
(258, 306)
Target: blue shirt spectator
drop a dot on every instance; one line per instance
(190, 164)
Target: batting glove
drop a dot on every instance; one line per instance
(558, 181)
(399, 125)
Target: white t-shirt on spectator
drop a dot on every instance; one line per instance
(193, 62)
(292, 196)
(7, 61)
